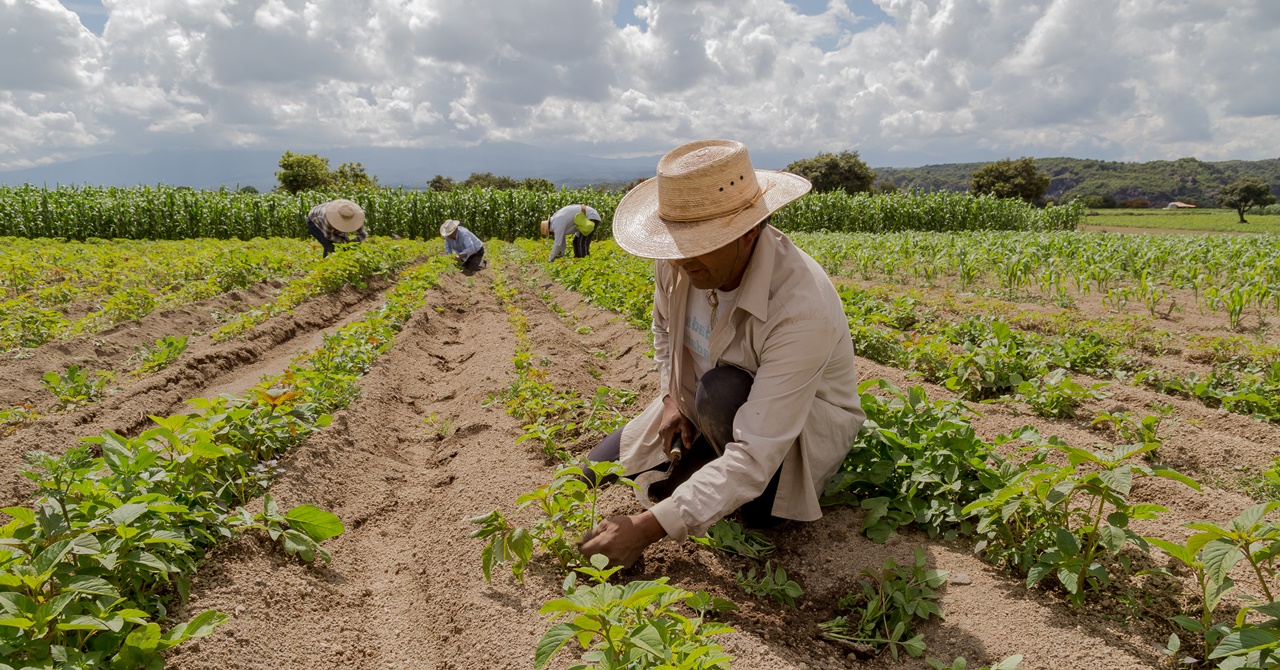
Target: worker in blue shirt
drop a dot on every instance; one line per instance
(464, 246)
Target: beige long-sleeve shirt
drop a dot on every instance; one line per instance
(789, 330)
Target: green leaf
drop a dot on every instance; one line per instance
(1219, 556)
(552, 641)
(1243, 641)
(91, 585)
(124, 514)
(1119, 480)
(318, 524)
(1170, 473)
(1112, 538)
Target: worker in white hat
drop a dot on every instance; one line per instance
(578, 220)
(335, 222)
(464, 246)
(758, 402)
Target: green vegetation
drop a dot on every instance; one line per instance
(1219, 220)
(161, 355)
(835, 172)
(76, 386)
(1010, 179)
(309, 172)
(886, 605)
(1160, 182)
(1244, 194)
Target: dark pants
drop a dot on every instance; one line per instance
(581, 244)
(324, 241)
(721, 391)
(472, 264)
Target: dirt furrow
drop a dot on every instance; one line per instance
(205, 369)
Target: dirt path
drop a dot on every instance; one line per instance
(205, 369)
(405, 588)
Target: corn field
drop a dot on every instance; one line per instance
(163, 212)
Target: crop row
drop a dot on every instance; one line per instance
(1057, 516)
(173, 213)
(91, 569)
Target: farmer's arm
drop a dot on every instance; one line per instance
(765, 427)
(471, 245)
(362, 233)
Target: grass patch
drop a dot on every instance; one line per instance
(1221, 220)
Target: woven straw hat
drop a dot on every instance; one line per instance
(546, 227)
(705, 196)
(344, 215)
(447, 228)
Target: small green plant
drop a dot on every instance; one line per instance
(15, 417)
(1131, 429)
(771, 583)
(300, 530)
(886, 606)
(636, 625)
(1056, 394)
(77, 387)
(583, 330)
(568, 506)
(439, 426)
(731, 537)
(161, 355)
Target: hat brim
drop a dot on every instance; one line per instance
(639, 230)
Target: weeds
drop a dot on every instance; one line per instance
(771, 583)
(77, 387)
(884, 609)
(161, 355)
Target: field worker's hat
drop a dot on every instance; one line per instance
(344, 215)
(706, 195)
(447, 228)
(546, 227)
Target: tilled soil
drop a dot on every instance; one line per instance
(405, 589)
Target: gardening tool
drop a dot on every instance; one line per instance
(648, 478)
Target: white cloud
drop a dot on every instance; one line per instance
(939, 80)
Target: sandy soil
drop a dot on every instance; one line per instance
(405, 588)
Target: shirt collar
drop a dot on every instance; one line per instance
(753, 293)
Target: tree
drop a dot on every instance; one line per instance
(302, 172)
(1010, 179)
(831, 172)
(352, 177)
(441, 183)
(1244, 194)
(536, 184)
(489, 180)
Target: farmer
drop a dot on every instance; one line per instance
(578, 219)
(333, 222)
(464, 246)
(757, 384)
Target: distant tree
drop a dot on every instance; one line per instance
(1244, 194)
(302, 172)
(831, 172)
(441, 183)
(248, 188)
(489, 180)
(886, 186)
(1099, 201)
(1011, 179)
(352, 177)
(536, 184)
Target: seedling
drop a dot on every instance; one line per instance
(439, 426)
(1010, 663)
(1056, 394)
(300, 530)
(771, 583)
(731, 537)
(161, 355)
(77, 387)
(886, 606)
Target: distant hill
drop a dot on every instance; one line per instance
(1160, 182)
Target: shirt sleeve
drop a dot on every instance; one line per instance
(473, 244)
(765, 429)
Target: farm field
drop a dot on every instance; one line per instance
(493, 380)
(1215, 220)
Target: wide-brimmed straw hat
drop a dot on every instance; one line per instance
(447, 228)
(706, 195)
(344, 215)
(546, 227)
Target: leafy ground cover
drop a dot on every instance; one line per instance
(1218, 220)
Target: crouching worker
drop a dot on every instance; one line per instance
(464, 245)
(578, 220)
(335, 222)
(758, 402)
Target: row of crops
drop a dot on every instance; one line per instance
(92, 568)
(1055, 515)
(159, 213)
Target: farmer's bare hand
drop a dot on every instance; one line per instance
(673, 421)
(622, 538)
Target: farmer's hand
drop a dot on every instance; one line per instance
(674, 420)
(622, 538)
(461, 259)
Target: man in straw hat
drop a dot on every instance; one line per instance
(758, 403)
(580, 220)
(464, 246)
(334, 222)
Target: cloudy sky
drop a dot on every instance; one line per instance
(905, 82)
